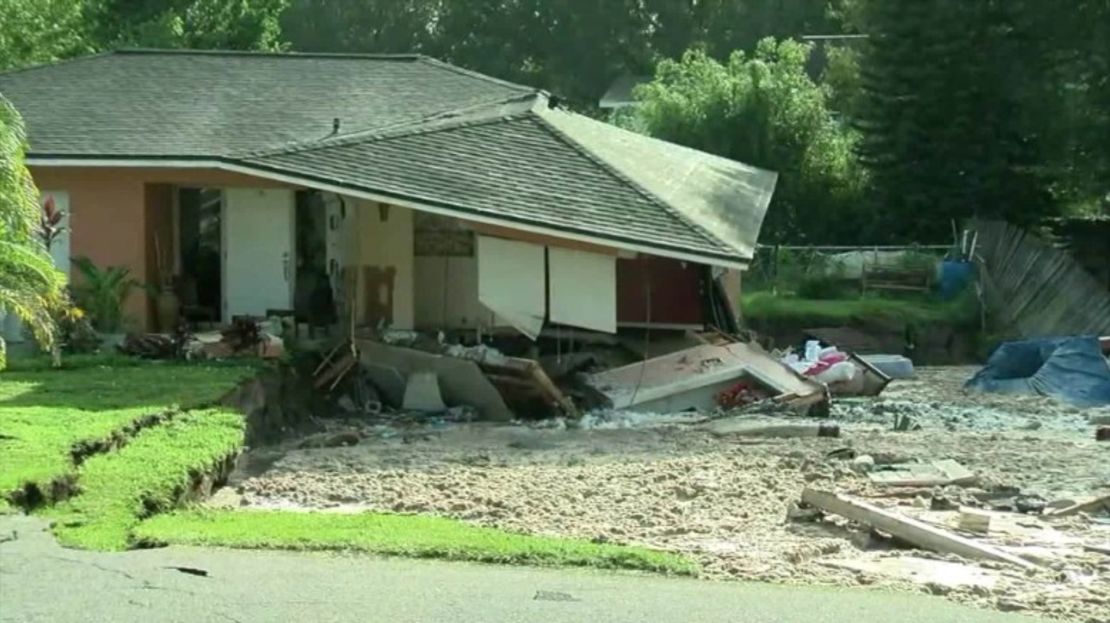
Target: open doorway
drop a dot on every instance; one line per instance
(199, 234)
(313, 295)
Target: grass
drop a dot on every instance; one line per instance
(402, 535)
(149, 474)
(46, 414)
(768, 307)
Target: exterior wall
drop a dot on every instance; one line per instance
(447, 271)
(107, 223)
(447, 294)
(113, 215)
(660, 292)
(379, 248)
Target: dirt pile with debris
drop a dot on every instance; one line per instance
(731, 502)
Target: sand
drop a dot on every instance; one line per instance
(730, 502)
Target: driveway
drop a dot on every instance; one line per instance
(40, 581)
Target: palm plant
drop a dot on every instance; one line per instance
(101, 292)
(30, 287)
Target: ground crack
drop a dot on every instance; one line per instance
(95, 566)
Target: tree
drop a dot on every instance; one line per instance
(764, 110)
(40, 31)
(950, 125)
(379, 26)
(198, 24)
(571, 48)
(30, 286)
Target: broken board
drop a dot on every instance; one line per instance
(522, 380)
(935, 474)
(1089, 505)
(908, 529)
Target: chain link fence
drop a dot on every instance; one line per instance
(838, 271)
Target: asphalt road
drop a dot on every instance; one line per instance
(40, 581)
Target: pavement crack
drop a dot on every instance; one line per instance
(147, 586)
(190, 571)
(94, 565)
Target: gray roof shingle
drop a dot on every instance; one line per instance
(411, 128)
(166, 103)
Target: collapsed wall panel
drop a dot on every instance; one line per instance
(512, 282)
(583, 288)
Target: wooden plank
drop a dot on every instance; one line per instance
(910, 530)
(1086, 506)
(549, 388)
(501, 380)
(338, 369)
(935, 474)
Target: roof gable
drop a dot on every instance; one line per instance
(529, 162)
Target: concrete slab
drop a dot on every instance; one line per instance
(692, 378)
(422, 393)
(461, 382)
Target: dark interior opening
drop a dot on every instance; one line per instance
(312, 295)
(200, 287)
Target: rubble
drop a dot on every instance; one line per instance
(697, 378)
(730, 501)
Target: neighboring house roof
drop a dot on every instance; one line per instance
(412, 129)
(619, 94)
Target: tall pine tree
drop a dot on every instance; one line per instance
(946, 117)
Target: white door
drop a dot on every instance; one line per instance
(258, 238)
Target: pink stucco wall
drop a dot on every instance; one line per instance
(115, 213)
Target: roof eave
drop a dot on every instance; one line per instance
(417, 203)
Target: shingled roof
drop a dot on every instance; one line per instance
(410, 128)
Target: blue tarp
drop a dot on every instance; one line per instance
(1071, 369)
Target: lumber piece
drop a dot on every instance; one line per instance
(910, 530)
(1085, 506)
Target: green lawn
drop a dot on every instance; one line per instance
(404, 535)
(767, 308)
(45, 414)
(147, 475)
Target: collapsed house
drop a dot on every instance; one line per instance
(379, 194)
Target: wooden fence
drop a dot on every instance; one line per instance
(1035, 290)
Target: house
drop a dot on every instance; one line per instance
(422, 194)
(619, 94)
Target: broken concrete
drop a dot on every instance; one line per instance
(691, 379)
(461, 382)
(422, 393)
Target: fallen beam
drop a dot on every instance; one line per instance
(910, 530)
(1086, 506)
